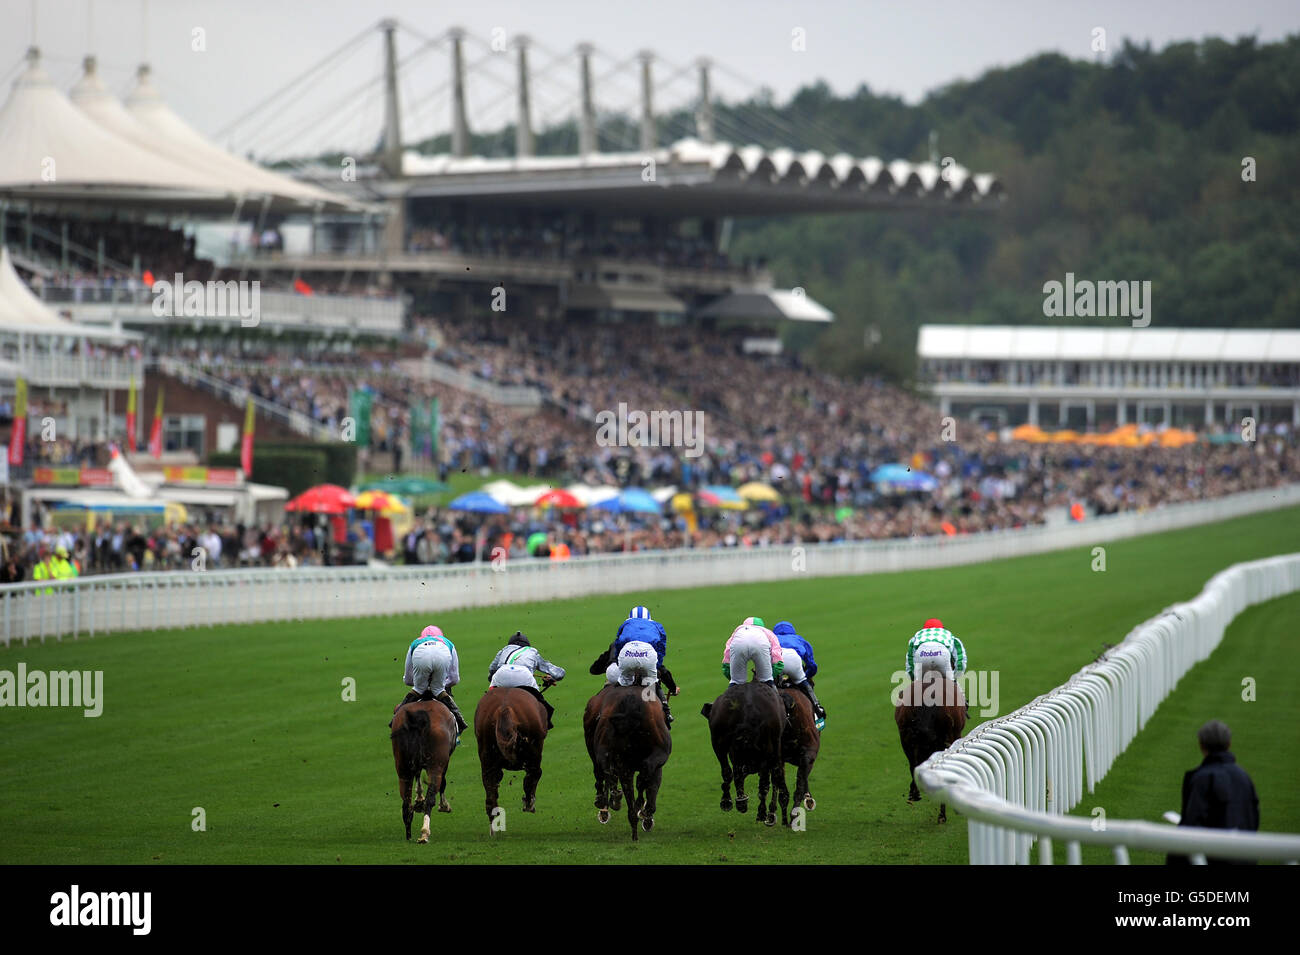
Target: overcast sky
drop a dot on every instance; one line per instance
(255, 47)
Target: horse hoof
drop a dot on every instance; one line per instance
(742, 806)
(809, 803)
(647, 824)
(444, 808)
(726, 805)
(603, 816)
(769, 820)
(422, 840)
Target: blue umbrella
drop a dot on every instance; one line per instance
(478, 502)
(633, 500)
(901, 477)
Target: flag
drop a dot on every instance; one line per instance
(148, 279)
(246, 449)
(302, 288)
(130, 416)
(359, 408)
(156, 431)
(18, 434)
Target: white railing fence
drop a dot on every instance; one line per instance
(1017, 776)
(149, 601)
(429, 369)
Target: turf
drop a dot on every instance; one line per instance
(249, 723)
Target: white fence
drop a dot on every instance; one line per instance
(1017, 776)
(150, 601)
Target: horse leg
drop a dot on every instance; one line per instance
(650, 798)
(532, 774)
(429, 795)
(742, 798)
(492, 774)
(408, 813)
(626, 781)
(779, 773)
(914, 794)
(943, 812)
(766, 815)
(726, 778)
(802, 795)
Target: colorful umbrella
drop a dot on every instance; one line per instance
(380, 501)
(558, 498)
(408, 486)
(476, 502)
(323, 499)
(632, 500)
(720, 495)
(758, 491)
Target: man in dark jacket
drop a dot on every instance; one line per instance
(1218, 794)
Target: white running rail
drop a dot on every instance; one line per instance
(1017, 776)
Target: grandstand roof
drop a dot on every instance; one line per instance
(145, 156)
(702, 178)
(768, 304)
(1060, 343)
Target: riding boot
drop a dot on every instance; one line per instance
(445, 699)
(550, 712)
(663, 701)
(808, 692)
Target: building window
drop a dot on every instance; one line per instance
(184, 433)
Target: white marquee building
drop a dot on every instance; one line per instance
(1091, 377)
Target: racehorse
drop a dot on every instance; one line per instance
(746, 723)
(628, 741)
(931, 714)
(424, 735)
(800, 744)
(510, 725)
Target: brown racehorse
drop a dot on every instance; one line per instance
(800, 744)
(931, 714)
(510, 725)
(746, 723)
(424, 735)
(628, 741)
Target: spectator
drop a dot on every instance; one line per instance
(1218, 794)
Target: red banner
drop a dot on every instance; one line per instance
(130, 416)
(18, 433)
(155, 432)
(246, 446)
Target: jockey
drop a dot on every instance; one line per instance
(639, 627)
(432, 669)
(752, 641)
(514, 666)
(935, 643)
(800, 667)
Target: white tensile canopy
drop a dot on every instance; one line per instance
(52, 148)
(168, 132)
(22, 311)
(91, 147)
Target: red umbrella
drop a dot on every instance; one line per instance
(322, 499)
(557, 498)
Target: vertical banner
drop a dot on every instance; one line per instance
(130, 416)
(359, 407)
(419, 432)
(156, 431)
(246, 447)
(18, 434)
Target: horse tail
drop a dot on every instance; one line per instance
(507, 730)
(413, 740)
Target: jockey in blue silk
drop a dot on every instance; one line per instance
(800, 667)
(640, 627)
